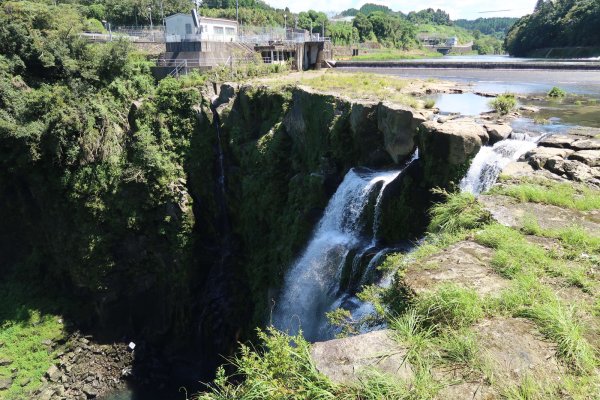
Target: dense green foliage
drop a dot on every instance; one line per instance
(504, 103)
(560, 23)
(100, 188)
(497, 27)
(430, 16)
(389, 30)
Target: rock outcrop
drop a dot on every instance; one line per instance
(348, 360)
(575, 156)
(447, 149)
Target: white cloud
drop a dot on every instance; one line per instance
(457, 9)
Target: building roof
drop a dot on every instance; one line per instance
(208, 19)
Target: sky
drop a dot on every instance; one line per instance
(469, 9)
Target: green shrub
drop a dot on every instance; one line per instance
(556, 92)
(504, 104)
(429, 104)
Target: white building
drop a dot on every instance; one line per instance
(452, 42)
(180, 27)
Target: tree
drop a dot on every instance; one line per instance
(363, 26)
(539, 5)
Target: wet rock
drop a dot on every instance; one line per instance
(588, 157)
(498, 132)
(5, 383)
(346, 360)
(529, 109)
(466, 264)
(398, 125)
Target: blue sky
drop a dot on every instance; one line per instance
(457, 8)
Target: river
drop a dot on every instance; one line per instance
(499, 80)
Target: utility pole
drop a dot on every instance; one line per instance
(237, 11)
(162, 13)
(151, 25)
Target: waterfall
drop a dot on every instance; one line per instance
(490, 161)
(312, 285)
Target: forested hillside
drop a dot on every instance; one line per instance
(558, 23)
(497, 27)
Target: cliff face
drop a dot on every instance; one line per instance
(195, 231)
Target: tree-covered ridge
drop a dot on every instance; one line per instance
(557, 23)
(430, 16)
(368, 8)
(488, 26)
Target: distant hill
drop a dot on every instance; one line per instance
(498, 27)
(367, 9)
(556, 23)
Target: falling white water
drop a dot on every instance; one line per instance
(490, 161)
(311, 285)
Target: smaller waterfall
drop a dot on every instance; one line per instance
(312, 285)
(490, 161)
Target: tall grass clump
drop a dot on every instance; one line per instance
(557, 93)
(504, 104)
(460, 211)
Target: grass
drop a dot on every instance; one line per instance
(460, 211)
(449, 305)
(560, 324)
(363, 85)
(567, 195)
(504, 104)
(23, 329)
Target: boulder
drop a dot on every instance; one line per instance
(347, 360)
(586, 144)
(457, 141)
(5, 383)
(560, 141)
(579, 171)
(446, 150)
(53, 373)
(540, 155)
(4, 362)
(398, 125)
(588, 157)
(498, 132)
(585, 131)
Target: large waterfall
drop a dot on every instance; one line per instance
(342, 239)
(490, 161)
